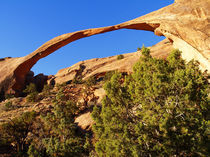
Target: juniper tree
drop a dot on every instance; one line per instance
(32, 93)
(159, 110)
(63, 137)
(16, 131)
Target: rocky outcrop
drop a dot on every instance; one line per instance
(99, 66)
(185, 23)
(85, 121)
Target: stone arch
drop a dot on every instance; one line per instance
(167, 22)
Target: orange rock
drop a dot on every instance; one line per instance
(84, 121)
(99, 66)
(185, 23)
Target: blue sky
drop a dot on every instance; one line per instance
(27, 24)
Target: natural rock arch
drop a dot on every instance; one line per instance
(185, 23)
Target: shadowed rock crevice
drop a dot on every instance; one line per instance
(185, 23)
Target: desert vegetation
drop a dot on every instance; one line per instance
(119, 57)
(51, 133)
(161, 109)
(32, 93)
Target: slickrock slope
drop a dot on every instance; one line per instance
(186, 23)
(99, 66)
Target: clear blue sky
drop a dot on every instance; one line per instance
(26, 24)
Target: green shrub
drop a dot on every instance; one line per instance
(60, 96)
(16, 131)
(159, 110)
(64, 138)
(108, 75)
(32, 97)
(120, 57)
(60, 85)
(9, 96)
(31, 91)
(9, 106)
(78, 77)
(47, 90)
(33, 152)
(77, 80)
(31, 88)
(91, 81)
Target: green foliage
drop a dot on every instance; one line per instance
(32, 97)
(138, 49)
(145, 52)
(60, 96)
(31, 88)
(31, 91)
(119, 57)
(9, 106)
(111, 128)
(64, 139)
(91, 81)
(16, 131)
(4, 142)
(78, 77)
(46, 90)
(108, 75)
(159, 110)
(33, 151)
(77, 80)
(60, 85)
(57, 134)
(9, 96)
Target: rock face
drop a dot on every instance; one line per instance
(99, 66)
(185, 23)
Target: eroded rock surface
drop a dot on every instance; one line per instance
(99, 66)
(186, 23)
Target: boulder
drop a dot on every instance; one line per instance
(84, 121)
(186, 23)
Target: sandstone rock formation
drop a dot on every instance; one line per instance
(85, 121)
(186, 23)
(99, 66)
